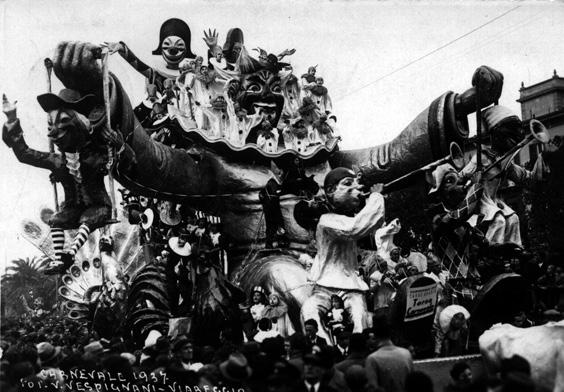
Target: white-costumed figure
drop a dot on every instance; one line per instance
(240, 124)
(291, 91)
(320, 96)
(335, 267)
(277, 312)
(258, 298)
(267, 139)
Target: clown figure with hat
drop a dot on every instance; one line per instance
(335, 267)
(174, 46)
(499, 222)
(80, 167)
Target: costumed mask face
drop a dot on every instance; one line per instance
(273, 300)
(452, 190)
(68, 129)
(395, 254)
(173, 51)
(347, 197)
(260, 92)
(257, 297)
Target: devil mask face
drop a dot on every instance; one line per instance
(173, 51)
(261, 92)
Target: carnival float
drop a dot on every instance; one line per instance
(222, 169)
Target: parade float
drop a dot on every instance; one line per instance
(237, 142)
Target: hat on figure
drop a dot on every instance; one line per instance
(67, 98)
(179, 28)
(334, 176)
(498, 115)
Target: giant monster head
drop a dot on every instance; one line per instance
(259, 91)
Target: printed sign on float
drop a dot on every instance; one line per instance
(421, 302)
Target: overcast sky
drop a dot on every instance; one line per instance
(356, 44)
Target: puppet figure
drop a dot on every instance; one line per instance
(335, 268)
(291, 91)
(321, 97)
(310, 117)
(453, 236)
(277, 312)
(268, 138)
(500, 221)
(174, 46)
(308, 81)
(112, 275)
(80, 167)
(203, 92)
(336, 316)
(241, 123)
(219, 121)
(258, 298)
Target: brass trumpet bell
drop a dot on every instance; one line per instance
(539, 131)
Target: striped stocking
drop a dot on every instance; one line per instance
(80, 238)
(58, 239)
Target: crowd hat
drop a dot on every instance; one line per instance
(498, 115)
(95, 348)
(176, 27)
(47, 353)
(235, 368)
(69, 99)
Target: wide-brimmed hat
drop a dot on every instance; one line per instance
(184, 250)
(47, 353)
(67, 98)
(236, 368)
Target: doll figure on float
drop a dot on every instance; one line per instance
(80, 167)
(174, 46)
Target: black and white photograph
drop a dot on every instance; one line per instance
(282, 196)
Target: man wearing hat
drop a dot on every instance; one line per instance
(335, 268)
(499, 221)
(80, 166)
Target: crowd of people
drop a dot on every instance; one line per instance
(52, 353)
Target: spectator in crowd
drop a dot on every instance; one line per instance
(389, 365)
(311, 328)
(418, 382)
(357, 353)
(461, 378)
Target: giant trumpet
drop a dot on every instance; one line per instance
(455, 158)
(537, 131)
